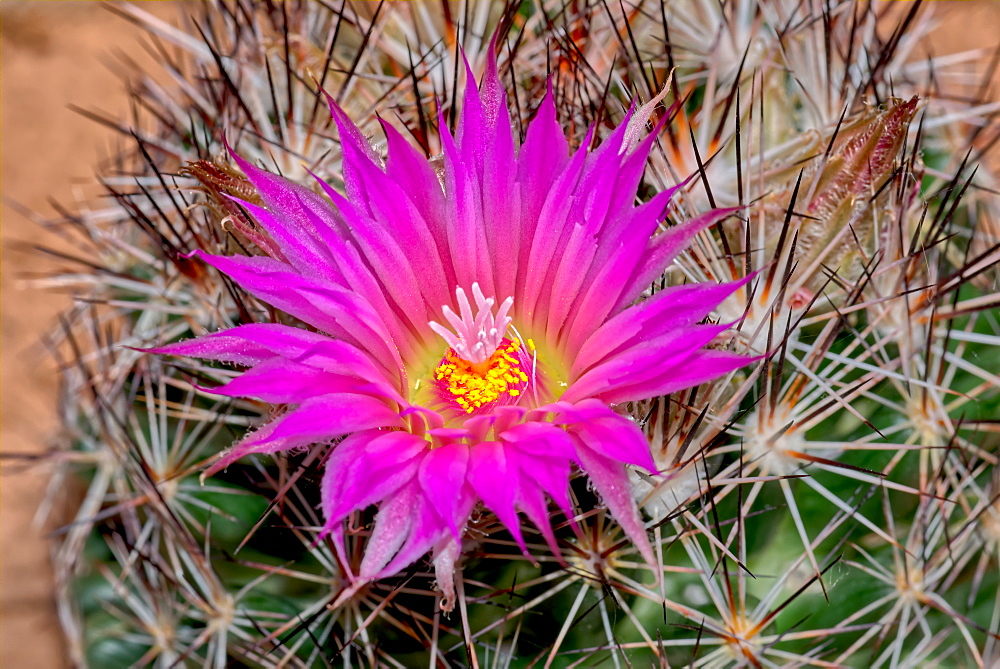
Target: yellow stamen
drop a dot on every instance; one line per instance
(474, 384)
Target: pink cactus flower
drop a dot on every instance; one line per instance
(466, 338)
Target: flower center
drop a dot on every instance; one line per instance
(481, 366)
(471, 385)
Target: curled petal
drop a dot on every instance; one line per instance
(446, 554)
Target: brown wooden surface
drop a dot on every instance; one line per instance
(53, 53)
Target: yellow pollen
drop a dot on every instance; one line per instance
(474, 384)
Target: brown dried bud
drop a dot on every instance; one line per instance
(836, 228)
(221, 182)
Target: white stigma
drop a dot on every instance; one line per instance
(476, 336)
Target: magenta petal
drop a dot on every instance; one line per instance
(665, 248)
(701, 368)
(366, 468)
(541, 158)
(472, 129)
(612, 483)
(442, 476)
(284, 382)
(504, 235)
(567, 279)
(404, 526)
(446, 553)
(284, 197)
(532, 502)
(317, 419)
(616, 437)
(554, 220)
(415, 176)
(668, 310)
(356, 368)
(355, 147)
(466, 229)
(305, 249)
(595, 188)
(657, 358)
(551, 475)
(626, 184)
(394, 233)
(246, 344)
(382, 247)
(276, 381)
(492, 94)
(496, 483)
(425, 531)
(620, 252)
(540, 439)
(324, 306)
(257, 343)
(559, 232)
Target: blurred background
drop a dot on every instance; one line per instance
(56, 54)
(53, 54)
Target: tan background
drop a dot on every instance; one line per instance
(54, 53)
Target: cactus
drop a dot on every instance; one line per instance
(833, 503)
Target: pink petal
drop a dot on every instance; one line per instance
(665, 248)
(317, 419)
(298, 207)
(446, 554)
(532, 502)
(496, 483)
(611, 482)
(246, 344)
(442, 477)
(617, 256)
(306, 250)
(466, 230)
(670, 309)
(659, 358)
(282, 382)
(615, 437)
(542, 157)
(550, 474)
(415, 176)
(404, 526)
(699, 369)
(540, 439)
(324, 306)
(366, 468)
(381, 244)
(426, 531)
(553, 222)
